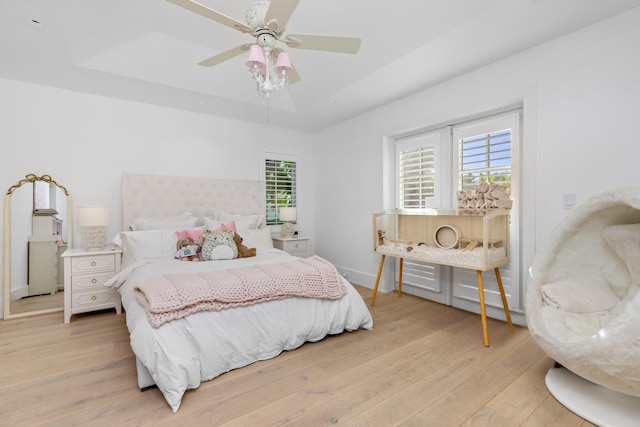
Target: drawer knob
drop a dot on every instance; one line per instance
(94, 280)
(93, 297)
(93, 263)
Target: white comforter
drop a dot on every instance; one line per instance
(182, 353)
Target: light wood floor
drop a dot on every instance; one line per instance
(422, 365)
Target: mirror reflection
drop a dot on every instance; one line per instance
(38, 230)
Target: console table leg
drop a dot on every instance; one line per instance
(400, 278)
(505, 305)
(483, 310)
(375, 288)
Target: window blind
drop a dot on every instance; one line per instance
(485, 158)
(416, 175)
(280, 184)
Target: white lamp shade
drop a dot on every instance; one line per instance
(93, 216)
(288, 214)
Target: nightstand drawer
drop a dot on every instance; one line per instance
(81, 282)
(295, 247)
(93, 263)
(96, 298)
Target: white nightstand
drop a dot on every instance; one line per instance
(296, 246)
(85, 273)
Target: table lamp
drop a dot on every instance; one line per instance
(287, 215)
(92, 220)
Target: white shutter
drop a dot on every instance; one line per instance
(419, 163)
(485, 151)
(280, 176)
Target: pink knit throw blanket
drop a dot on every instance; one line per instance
(174, 296)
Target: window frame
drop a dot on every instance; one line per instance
(269, 198)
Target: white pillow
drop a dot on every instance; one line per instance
(624, 239)
(242, 221)
(147, 244)
(259, 239)
(184, 220)
(580, 295)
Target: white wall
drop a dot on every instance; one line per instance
(86, 142)
(581, 97)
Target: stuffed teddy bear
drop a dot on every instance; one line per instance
(243, 251)
(187, 250)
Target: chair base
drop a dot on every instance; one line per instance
(596, 404)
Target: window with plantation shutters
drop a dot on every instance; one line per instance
(417, 176)
(417, 186)
(484, 151)
(485, 158)
(280, 175)
(416, 158)
(430, 167)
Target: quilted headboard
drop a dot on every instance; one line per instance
(156, 196)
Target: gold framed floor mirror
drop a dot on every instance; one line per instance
(38, 223)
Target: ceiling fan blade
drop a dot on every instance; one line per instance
(224, 56)
(294, 77)
(325, 43)
(203, 10)
(279, 13)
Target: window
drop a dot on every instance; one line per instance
(430, 167)
(485, 158)
(416, 159)
(280, 184)
(417, 176)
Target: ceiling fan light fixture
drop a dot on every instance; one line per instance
(268, 77)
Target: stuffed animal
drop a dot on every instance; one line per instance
(243, 251)
(218, 244)
(187, 250)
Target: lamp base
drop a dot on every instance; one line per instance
(94, 240)
(287, 229)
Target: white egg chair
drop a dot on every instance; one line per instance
(583, 308)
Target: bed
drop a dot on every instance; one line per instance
(178, 354)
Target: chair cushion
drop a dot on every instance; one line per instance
(580, 295)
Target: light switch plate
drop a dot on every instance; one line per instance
(569, 200)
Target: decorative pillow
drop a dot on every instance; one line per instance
(580, 295)
(242, 221)
(192, 233)
(219, 245)
(213, 225)
(184, 220)
(624, 239)
(259, 239)
(146, 244)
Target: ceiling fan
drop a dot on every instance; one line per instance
(266, 21)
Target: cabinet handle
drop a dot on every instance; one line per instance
(93, 263)
(94, 280)
(93, 297)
